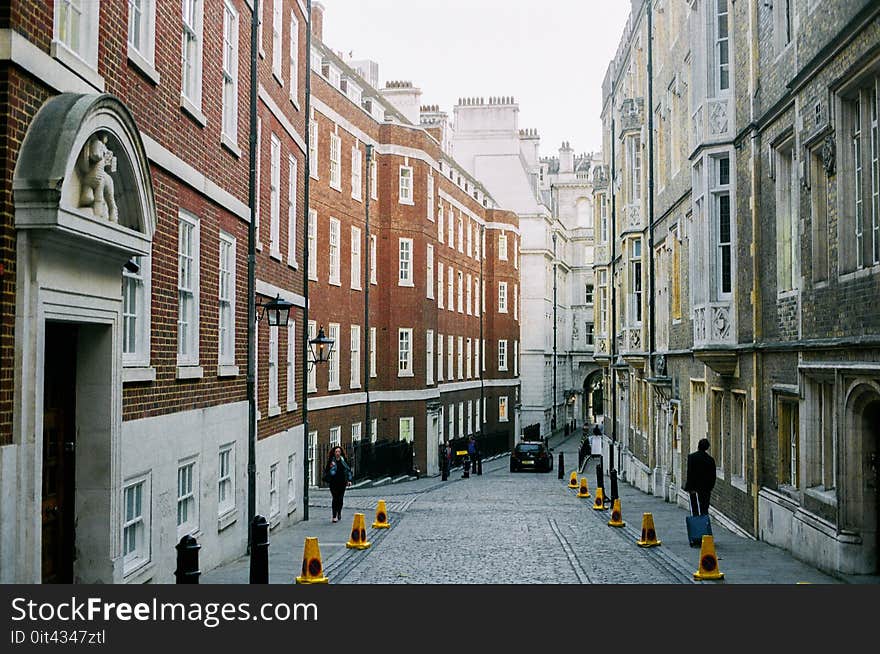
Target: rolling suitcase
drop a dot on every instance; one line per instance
(698, 526)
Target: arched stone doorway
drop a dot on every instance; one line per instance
(861, 511)
(593, 404)
(84, 207)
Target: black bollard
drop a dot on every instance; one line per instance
(466, 468)
(561, 472)
(187, 561)
(613, 475)
(445, 472)
(259, 551)
(600, 476)
(479, 465)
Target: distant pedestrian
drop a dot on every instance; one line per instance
(700, 479)
(448, 458)
(337, 474)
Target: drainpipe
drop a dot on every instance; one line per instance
(251, 282)
(611, 290)
(305, 330)
(650, 103)
(757, 327)
(368, 266)
(482, 348)
(554, 424)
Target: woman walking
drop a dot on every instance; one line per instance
(337, 474)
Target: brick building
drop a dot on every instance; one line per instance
(760, 259)
(442, 346)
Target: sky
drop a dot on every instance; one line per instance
(551, 56)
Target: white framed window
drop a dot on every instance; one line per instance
(515, 253)
(460, 292)
(373, 261)
(230, 73)
(356, 258)
(135, 523)
(291, 479)
(470, 240)
(313, 149)
(460, 357)
(294, 58)
(291, 210)
(312, 381)
(258, 168)
(277, 19)
(274, 500)
(226, 478)
(469, 299)
(187, 498)
(274, 408)
(603, 302)
(516, 302)
(313, 245)
(439, 357)
(476, 242)
(405, 190)
(477, 358)
(334, 252)
(429, 357)
(405, 262)
(355, 432)
(516, 354)
(450, 304)
(142, 35)
(374, 430)
(450, 416)
(372, 352)
(502, 297)
(187, 290)
(291, 365)
(485, 417)
(430, 201)
(429, 271)
(450, 228)
(450, 355)
(787, 212)
(357, 158)
(477, 414)
(333, 369)
(634, 165)
(335, 162)
(275, 197)
(722, 45)
(313, 457)
(335, 436)
(75, 37)
(484, 355)
(502, 408)
(374, 178)
(476, 297)
(483, 292)
(468, 358)
(722, 226)
(460, 233)
(461, 418)
(405, 429)
(635, 281)
(404, 352)
(191, 82)
(440, 223)
(440, 279)
(136, 293)
(226, 313)
(470, 418)
(603, 218)
(355, 358)
(502, 246)
(502, 355)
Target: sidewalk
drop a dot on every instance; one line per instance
(741, 560)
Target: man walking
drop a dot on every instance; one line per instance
(700, 478)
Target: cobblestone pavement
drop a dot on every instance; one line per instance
(497, 528)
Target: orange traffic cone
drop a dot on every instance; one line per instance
(312, 568)
(583, 491)
(381, 516)
(573, 480)
(708, 560)
(358, 539)
(649, 534)
(599, 502)
(616, 515)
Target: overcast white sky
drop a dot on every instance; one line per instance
(550, 55)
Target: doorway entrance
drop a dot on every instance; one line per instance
(871, 431)
(59, 460)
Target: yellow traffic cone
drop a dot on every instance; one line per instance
(583, 491)
(708, 560)
(616, 515)
(312, 568)
(573, 480)
(358, 539)
(649, 534)
(381, 516)
(599, 502)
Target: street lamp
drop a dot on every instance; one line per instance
(321, 348)
(278, 311)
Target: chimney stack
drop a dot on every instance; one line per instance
(317, 21)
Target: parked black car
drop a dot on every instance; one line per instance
(531, 455)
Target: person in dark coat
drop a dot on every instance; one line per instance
(337, 474)
(700, 478)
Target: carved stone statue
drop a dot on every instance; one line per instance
(828, 155)
(96, 162)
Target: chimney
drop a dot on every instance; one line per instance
(317, 21)
(405, 97)
(566, 158)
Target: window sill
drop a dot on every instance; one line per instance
(275, 254)
(76, 64)
(278, 77)
(407, 202)
(357, 288)
(357, 198)
(145, 67)
(739, 482)
(227, 370)
(192, 110)
(259, 245)
(190, 372)
(313, 278)
(405, 374)
(293, 264)
(338, 188)
(140, 572)
(228, 517)
(291, 506)
(295, 103)
(230, 145)
(274, 520)
(274, 411)
(292, 406)
(819, 493)
(334, 283)
(334, 388)
(407, 284)
(138, 374)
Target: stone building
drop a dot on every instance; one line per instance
(753, 129)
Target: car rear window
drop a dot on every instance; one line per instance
(529, 447)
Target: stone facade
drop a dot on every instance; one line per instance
(766, 246)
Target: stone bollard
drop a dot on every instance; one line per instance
(561, 466)
(187, 561)
(259, 551)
